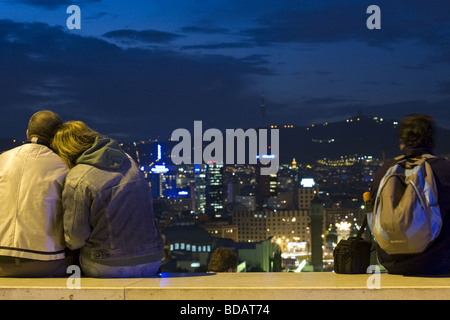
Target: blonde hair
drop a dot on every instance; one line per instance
(72, 139)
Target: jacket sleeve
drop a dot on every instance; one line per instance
(76, 216)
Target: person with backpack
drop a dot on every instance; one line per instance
(411, 217)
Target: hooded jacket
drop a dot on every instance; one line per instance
(31, 183)
(108, 208)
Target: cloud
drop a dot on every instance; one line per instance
(224, 45)
(140, 82)
(53, 4)
(336, 22)
(205, 30)
(138, 93)
(146, 36)
(443, 87)
(325, 101)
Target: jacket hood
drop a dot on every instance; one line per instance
(105, 153)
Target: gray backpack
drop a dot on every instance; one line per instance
(406, 217)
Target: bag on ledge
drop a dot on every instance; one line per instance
(352, 256)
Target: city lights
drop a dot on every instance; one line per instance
(343, 226)
(273, 208)
(307, 182)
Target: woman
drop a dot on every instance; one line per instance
(107, 206)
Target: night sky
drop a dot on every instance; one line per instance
(142, 68)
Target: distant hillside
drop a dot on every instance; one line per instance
(362, 135)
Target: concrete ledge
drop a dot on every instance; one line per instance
(232, 286)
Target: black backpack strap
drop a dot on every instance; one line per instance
(362, 229)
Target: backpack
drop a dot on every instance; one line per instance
(353, 255)
(406, 216)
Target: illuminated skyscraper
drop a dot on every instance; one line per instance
(200, 188)
(215, 190)
(163, 182)
(306, 193)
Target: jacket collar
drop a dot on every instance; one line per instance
(38, 140)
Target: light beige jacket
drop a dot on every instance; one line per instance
(31, 183)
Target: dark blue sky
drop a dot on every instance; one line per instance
(141, 68)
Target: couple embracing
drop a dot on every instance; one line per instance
(72, 196)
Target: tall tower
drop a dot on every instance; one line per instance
(266, 186)
(316, 213)
(215, 190)
(200, 188)
(294, 164)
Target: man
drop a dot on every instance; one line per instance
(31, 183)
(417, 137)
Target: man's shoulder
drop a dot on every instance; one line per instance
(29, 148)
(11, 151)
(40, 152)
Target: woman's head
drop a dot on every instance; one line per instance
(72, 139)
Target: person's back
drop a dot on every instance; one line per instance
(31, 183)
(416, 135)
(120, 211)
(108, 211)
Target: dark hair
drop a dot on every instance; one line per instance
(45, 124)
(417, 131)
(222, 260)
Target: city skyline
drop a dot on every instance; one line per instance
(235, 203)
(138, 69)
